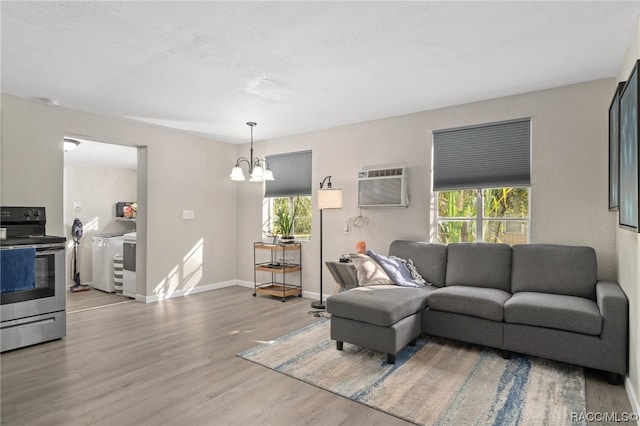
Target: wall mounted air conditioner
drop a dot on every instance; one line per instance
(383, 188)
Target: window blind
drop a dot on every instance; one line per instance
(493, 155)
(292, 174)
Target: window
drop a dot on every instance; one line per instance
(503, 218)
(289, 192)
(302, 221)
(489, 166)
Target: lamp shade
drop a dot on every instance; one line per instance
(237, 174)
(257, 175)
(330, 198)
(268, 175)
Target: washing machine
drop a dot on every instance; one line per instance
(129, 261)
(104, 247)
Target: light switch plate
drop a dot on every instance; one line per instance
(187, 214)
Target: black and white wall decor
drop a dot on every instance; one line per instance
(629, 136)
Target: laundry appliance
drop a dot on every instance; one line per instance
(104, 248)
(129, 259)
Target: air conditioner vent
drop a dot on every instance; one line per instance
(383, 172)
(383, 188)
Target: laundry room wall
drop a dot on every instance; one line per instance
(97, 189)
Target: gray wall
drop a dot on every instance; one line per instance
(32, 158)
(628, 249)
(569, 187)
(176, 171)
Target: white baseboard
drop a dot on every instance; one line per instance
(313, 295)
(633, 397)
(241, 283)
(185, 292)
(307, 294)
(209, 287)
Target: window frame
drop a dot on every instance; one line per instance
(268, 204)
(479, 219)
(293, 178)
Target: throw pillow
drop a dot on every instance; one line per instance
(412, 269)
(398, 271)
(368, 271)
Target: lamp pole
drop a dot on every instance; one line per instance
(320, 304)
(329, 198)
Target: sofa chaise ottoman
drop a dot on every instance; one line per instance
(387, 317)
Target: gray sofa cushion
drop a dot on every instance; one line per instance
(554, 311)
(474, 301)
(549, 268)
(381, 305)
(479, 265)
(429, 259)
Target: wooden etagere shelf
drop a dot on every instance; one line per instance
(283, 260)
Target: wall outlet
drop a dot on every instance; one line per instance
(77, 206)
(187, 214)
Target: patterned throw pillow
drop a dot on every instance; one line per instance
(396, 269)
(368, 271)
(412, 269)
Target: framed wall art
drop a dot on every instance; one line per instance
(629, 184)
(614, 149)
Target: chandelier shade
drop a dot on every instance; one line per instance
(237, 174)
(268, 175)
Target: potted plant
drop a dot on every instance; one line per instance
(283, 221)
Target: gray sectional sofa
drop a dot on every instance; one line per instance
(537, 299)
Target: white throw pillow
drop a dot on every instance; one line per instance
(369, 272)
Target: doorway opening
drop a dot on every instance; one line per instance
(101, 193)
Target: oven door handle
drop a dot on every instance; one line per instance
(47, 251)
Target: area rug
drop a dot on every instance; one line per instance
(438, 381)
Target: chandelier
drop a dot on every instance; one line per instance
(258, 167)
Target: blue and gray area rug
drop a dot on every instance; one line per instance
(435, 382)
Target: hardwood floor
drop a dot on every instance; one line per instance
(91, 299)
(174, 363)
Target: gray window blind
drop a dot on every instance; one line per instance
(493, 155)
(292, 174)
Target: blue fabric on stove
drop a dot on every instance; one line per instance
(17, 270)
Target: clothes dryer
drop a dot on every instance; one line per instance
(105, 247)
(129, 273)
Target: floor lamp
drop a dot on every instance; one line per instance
(328, 198)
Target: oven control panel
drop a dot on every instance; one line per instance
(22, 214)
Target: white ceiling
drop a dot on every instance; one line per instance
(209, 67)
(102, 154)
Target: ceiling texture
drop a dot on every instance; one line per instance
(208, 67)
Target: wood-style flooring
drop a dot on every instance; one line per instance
(91, 299)
(174, 363)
